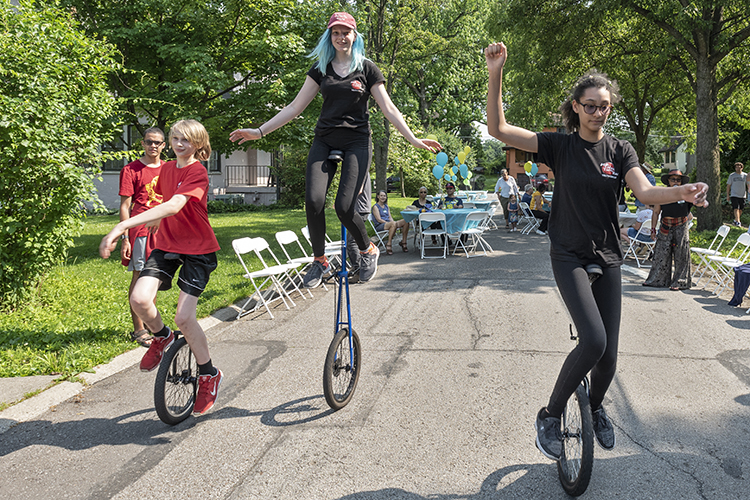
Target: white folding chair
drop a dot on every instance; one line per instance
(703, 253)
(469, 204)
(243, 246)
(287, 238)
(378, 234)
(724, 265)
(532, 223)
(471, 228)
(490, 223)
(426, 219)
(636, 244)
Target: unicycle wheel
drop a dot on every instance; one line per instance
(341, 370)
(176, 383)
(577, 460)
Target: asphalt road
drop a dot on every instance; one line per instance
(458, 356)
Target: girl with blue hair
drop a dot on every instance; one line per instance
(346, 79)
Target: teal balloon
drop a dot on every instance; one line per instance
(455, 170)
(447, 177)
(464, 170)
(437, 171)
(453, 178)
(534, 169)
(456, 160)
(442, 159)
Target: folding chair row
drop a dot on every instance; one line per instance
(722, 267)
(273, 273)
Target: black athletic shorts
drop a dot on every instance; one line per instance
(194, 274)
(737, 203)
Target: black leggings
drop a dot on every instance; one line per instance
(595, 310)
(355, 168)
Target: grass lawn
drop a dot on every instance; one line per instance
(79, 317)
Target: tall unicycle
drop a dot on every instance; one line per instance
(176, 383)
(344, 357)
(577, 460)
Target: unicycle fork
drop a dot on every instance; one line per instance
(342, 364)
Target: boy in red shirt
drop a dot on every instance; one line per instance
(185, 239)
(137, 182)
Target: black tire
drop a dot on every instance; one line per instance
(577, 460)
(341, 370)
(176, 383)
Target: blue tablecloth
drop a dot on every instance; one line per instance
(482, 205)
(454, 218)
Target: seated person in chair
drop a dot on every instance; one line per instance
(383, 222)
(450, 200)
(422, 203)
(635, 230)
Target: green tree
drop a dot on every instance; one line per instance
(56, 108)
(712, 46)
(228, 64)
(429, 54)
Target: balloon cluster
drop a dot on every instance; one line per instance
(451, 173)
(530, 168)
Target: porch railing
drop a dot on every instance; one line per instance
(249, 175)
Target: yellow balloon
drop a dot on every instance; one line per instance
(467, 150)
(461, 156)
(432, 137)
(527, 167)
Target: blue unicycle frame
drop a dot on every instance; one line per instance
(343, 360)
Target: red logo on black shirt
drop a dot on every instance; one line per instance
(608, 169)
(356, 86)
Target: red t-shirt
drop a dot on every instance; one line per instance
(138, 181)
(188, 231)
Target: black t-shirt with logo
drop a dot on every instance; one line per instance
(345, 99)
(584, 223)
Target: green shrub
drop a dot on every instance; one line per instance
(55, 105)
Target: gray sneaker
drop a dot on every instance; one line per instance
(548, 436)
(603, 429)
(314, 276)
(368, 265)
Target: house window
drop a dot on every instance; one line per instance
(214, 163)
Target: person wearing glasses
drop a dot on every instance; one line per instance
(672, 240)
(422, 203)
(137, 182)
(590, 169)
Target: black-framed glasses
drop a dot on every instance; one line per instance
(149, 142)
(590, 109)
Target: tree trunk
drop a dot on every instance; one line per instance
(707, 144)
(380, 156)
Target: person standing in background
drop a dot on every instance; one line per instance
(737, 191)
(137, 182)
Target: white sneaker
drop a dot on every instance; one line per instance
(541, 232)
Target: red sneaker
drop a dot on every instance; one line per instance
(155, 352)
(208, 388)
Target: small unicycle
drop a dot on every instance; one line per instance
(577, 460)
(176, 382)
(343, 360)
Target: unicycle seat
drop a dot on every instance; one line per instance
(594, 271)
(336, 155)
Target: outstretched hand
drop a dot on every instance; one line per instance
(495, 55)
(696, 194)
(244, 135)
(428, 144)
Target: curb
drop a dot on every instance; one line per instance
(35, 406)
